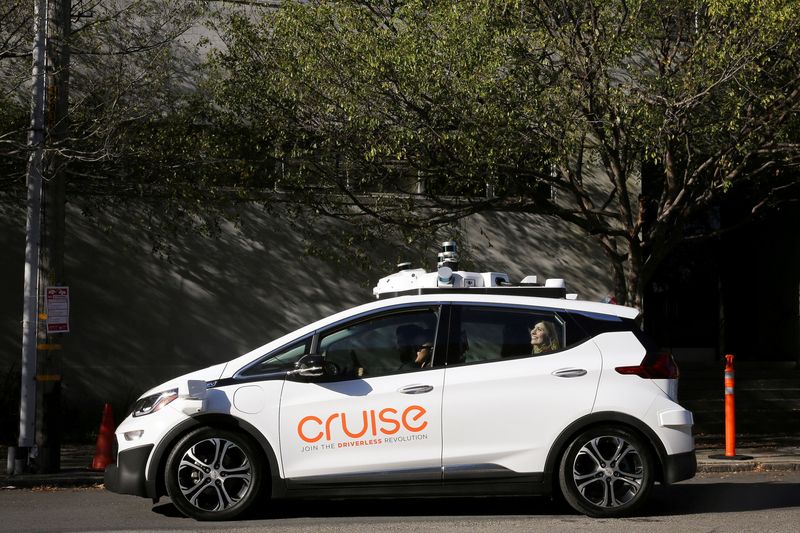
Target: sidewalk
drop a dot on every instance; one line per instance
(75, 472)
(764, 459)
(75, 462)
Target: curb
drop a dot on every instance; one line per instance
(60, 480)
(747, 466)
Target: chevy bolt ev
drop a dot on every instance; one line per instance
(452, 383)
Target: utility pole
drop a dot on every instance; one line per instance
(19, 457)
(51, 267)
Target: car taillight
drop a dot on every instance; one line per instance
(655, 365)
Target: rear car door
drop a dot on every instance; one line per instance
(503, 405)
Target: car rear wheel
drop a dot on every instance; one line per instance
(214, 474)
(606, 472)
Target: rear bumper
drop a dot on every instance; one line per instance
(128, 475)
(679, 467)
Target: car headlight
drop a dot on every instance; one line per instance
(154, 402)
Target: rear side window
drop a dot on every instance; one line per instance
(495, 333)
(594, 324)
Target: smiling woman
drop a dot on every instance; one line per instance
(544, 337)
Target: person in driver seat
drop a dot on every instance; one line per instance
(422, 352)
(407, 336)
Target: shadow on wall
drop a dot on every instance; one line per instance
(523, 245)
(138, 320)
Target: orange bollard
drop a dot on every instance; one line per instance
(103, 455)
(730, 415)
(730, 409)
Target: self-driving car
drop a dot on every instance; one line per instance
(450, 383)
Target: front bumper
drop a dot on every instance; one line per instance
(128, 475)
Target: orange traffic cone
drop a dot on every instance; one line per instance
(105, 440)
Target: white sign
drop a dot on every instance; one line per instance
(57, 309)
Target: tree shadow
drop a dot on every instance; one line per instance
(721, 497)
(391, 507)
(138, 320)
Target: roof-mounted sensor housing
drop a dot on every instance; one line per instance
(448, 278)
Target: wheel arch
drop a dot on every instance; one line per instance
(598, 419)
(156, 486)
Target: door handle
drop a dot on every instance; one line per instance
(570, 373)
(415, 389)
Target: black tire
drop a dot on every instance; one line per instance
(606, 472)
(214, 474)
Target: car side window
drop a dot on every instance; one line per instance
(277, 361)
(496, 333)
(386, 344)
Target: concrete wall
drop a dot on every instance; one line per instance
(138, 320)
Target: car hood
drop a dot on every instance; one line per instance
(210, 373)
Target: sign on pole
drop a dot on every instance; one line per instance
(57, 310)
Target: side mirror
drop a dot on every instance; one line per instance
(194, 389)
(309, 366)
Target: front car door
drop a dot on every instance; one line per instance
(379, 418)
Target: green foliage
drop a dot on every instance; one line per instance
(377, 100)
(627, 118)
(16, 23)
(135, 118)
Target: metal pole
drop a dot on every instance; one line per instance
(27, 408)
(51, 252)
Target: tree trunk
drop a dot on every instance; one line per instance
(633, 278)
(626, 275)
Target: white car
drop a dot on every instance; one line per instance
(456, 390)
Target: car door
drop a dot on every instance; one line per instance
(503, 405)
(379, 418)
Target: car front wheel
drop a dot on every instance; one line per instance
(214, 474)
(606, 472)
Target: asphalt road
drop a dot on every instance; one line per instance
(752, 501)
